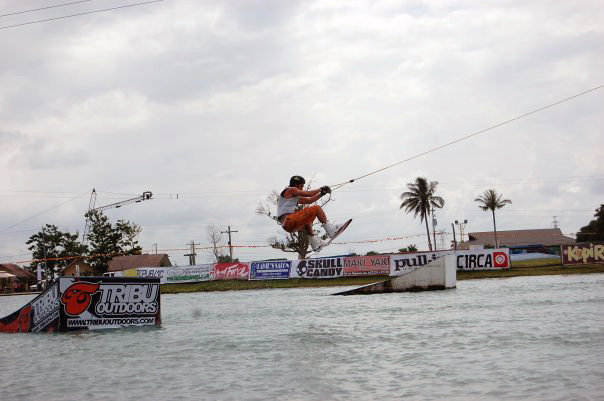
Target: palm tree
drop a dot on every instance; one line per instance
(490, 200)
(420, 199)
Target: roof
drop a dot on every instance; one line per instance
(120, 263)
(81, 262)
(83, 266)
(17, 271)
(511, 238)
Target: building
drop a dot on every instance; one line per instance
(120, 263)
(15, 279)
(530, 240)
(77, 268)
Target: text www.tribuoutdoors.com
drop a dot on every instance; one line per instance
(111, 321)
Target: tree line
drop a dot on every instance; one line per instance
(53, 249)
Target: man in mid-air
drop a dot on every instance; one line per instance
(294, 220)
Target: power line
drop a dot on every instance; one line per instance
(336, 186)
(80, 14)
(45, 8)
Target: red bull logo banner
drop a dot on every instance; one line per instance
(583, 253)
(318, 268)
(108, 302)
(230, 271)
(367, 265)
(39, 315)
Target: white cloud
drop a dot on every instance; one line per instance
(222, 101)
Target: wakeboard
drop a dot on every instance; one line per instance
(340, 231)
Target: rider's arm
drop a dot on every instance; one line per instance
(293, 191)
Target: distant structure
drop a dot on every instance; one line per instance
(120, 263)
(77, 268)
(539, 238)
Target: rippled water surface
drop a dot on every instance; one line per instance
(539, 338)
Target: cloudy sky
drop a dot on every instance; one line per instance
(221, 102)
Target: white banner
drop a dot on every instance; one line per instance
(483, 259)
(318, 268)
(404, 263)
(175, 274)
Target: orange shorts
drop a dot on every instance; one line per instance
(297, 220)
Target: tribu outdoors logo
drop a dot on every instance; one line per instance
(78, 296)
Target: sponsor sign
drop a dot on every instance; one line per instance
(270, 270)
(486, 259)
(188, 274)
(582, 253)
(45, 308)
(107, 302)
(318, 268)
(230, 271)
(405, 263)
(366, 265)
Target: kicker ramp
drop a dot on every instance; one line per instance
(440, 274)
(89, 303)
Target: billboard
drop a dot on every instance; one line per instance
(405, 263)
(318, 268)
(270, 270)
(483, 259)
(582, 253)
(108, 302)
(366, 265)
(230, 271)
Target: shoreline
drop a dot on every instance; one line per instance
(237, 285)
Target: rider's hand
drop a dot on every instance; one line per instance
(325, 190)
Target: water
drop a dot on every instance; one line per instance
(539, 338)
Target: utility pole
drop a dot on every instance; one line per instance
(454, 237)
(434, 229)
(230, 243)
(461, 227)
(155, 247)
(192, 254)
(555, 222)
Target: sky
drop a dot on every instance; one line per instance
(211, 105)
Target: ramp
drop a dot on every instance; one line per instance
(89, 303)
(440, 274)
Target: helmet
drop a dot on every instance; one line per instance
(296, 180)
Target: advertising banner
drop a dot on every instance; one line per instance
(188, 274)
(108, 302)
(45, 309)
(147, 272)
(405, 263)
(270, 270)
(41, 314)
(483, 259)
(582, 253)
(230, 271)
(318, 268)
(366, 265)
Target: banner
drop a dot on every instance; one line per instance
(405, 263)
(108, 302)
(318, 268)
(188, 274)
(582, 253)
(230, 271)
(270, 270)
(366, 265)
(483, 259)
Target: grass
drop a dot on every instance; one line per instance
(518, 269)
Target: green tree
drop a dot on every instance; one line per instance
(594, 230)
(107, 241)
(419, 199)
(296, 242)
(53, 249)
(491, 200)
(410, 248)
(371, 253)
